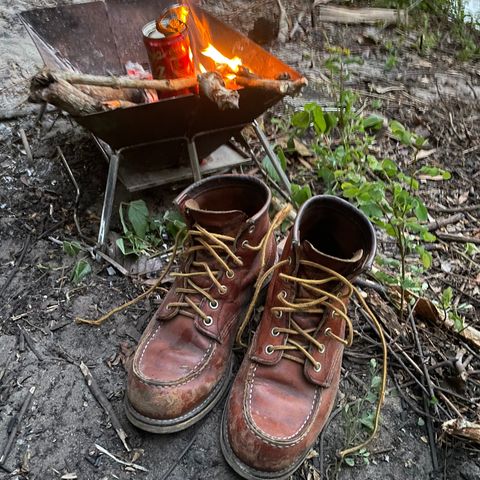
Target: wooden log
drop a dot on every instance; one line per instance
(167, 85)
(213, 87)
(333, 14)
(283, 87)
(45, 87)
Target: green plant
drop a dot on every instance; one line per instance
(141, 233)
(453, 311)
(343, 142)
(359, 415)
(81, 269)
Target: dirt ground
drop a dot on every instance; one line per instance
(436, 95)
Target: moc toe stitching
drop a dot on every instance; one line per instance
(278, 442)
(194, 372)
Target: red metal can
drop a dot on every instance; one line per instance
(170, 56)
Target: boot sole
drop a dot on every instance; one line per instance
(243, 469)
(154, 425)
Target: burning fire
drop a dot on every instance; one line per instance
(220, 59)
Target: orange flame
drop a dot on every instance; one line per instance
(220, 59)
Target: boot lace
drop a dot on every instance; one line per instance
(320, 301)
(216, 246)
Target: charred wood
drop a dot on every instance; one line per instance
(213, 87)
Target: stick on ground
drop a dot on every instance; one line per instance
(104, 403)
(13, 433)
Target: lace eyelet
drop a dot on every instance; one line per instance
(245, 243)
(317, 367)
(321, 348)
(222, 290)
(230, 274)
(275, 332)
(269, 349)
(208, 321)
(251, 229)
(284, 294)
(214, 305)
(278, 313)
(289, 260)
(328, 331)
(168, 307)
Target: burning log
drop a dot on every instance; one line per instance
(283, 87)
(80, 94)
(213, 87)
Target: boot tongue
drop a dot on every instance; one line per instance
(225, 222)
(343, 266)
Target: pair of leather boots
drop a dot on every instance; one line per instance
(286, 386)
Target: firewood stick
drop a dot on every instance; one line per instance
(213, 87)
(64, 96)
(283, 87)
(166, 85)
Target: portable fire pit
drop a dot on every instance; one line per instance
(151, 144)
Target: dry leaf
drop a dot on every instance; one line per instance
(460, 427)
(424, 154)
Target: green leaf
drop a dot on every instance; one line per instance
(71, 248)
(375, 122)
(80, 271)
(368, 420)
(301, 194)
(138, 217)
(389, 167)
(319, 121)
(174, 222)
(426, 258)
(331, 120)
(301, 119)
(434, 172)
(421, 211)
(428, 237)
(350, 461)
(447, 296)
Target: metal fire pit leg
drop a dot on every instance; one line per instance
(272, 156)
(113, 162)
(193, 155)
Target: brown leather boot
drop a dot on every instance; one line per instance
(287, 383)
(182, 365)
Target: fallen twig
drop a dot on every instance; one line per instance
(31, 345)
(14, 431)
(333, 14)
(15, 269)
(467, 208)
(26, 145)
(449, 237)
(104, 403)
(442, 222)
(113, 457)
